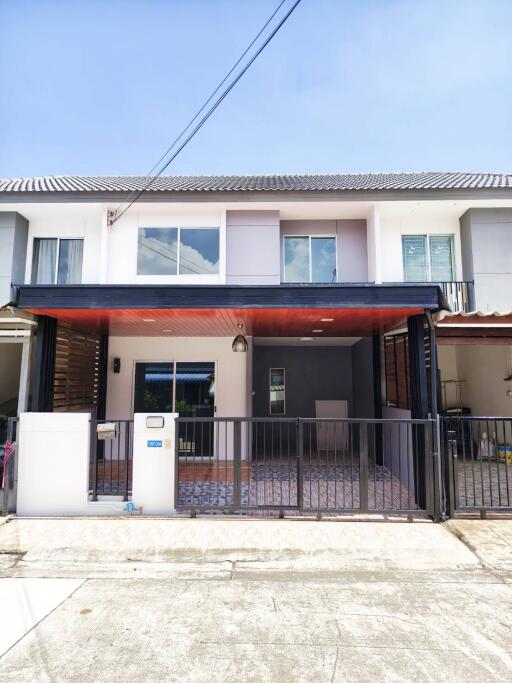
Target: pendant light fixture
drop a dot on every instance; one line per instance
(239, 344)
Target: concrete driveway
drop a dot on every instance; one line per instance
(249, 600)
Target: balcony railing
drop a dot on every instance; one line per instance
(459, 294)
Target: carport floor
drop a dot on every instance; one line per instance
(326, 486)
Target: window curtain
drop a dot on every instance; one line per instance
(70, 262)
(43, 261)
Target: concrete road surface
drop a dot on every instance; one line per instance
(249, 600)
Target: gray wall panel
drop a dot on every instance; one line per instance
(258, 217)
(13, 249)
(19, 250)
(486, 240)
(362, 378)
(466, 247)
(352, 251)
(6, 251)
(322, 373)
(252, 247)
(492, 247)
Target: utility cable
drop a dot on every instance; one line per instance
(211, 110)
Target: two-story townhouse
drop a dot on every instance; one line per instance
(268, 297)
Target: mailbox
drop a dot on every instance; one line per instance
(106, 430)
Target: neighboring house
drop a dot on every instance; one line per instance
(15, 327)
(333, 280)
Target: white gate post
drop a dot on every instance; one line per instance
(154, 462)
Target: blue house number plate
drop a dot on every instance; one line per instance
(154, 444)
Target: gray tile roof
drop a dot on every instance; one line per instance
(425, 180)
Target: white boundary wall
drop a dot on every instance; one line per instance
(53, 468)
(153, 464)
(53, 451)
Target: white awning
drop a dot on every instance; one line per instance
(15, 325)
(474, 319)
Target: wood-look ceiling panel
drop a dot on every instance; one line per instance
(222, 322)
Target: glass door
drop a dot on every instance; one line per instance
(195, 389)
(153, 391)
(195, 397)
(184, 388)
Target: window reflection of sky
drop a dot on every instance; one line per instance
(158, 251)
(297, 256)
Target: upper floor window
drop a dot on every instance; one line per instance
(173, 251)
(57, 261)
(428, 258)
(310, 259)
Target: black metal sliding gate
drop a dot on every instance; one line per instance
(310, 466)
(477, 459)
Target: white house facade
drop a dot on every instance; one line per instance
(354, 297)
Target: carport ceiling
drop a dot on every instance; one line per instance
(222, 322)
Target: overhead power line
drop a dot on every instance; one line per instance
(135, 195)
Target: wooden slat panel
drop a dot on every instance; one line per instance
(397, 370)
(76, 377)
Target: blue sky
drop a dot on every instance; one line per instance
(102, 86)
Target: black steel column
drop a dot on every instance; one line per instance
(418, 401)
(417, 367)
(377, 397)
(44, 365)
(101, 408)
(102, 378)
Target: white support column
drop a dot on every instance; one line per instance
(223, 246)
(24, 377)
(373, 235)
(154, 462)
(104, 241)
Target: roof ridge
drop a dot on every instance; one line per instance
(381, 181)
(262, 175)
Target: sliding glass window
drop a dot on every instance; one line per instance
(57, 261)
(157, 252)
(309, 259)
(184, 388)
(173, 251)
(428, 258)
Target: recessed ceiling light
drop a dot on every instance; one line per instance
(167, 330)
(148, 320)
(306, 339)
(326, 320)
(318, 331)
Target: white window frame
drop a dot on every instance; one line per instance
(59, 239)
(270, 390)
(179, 228)
(310, 237)
(428, 259)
